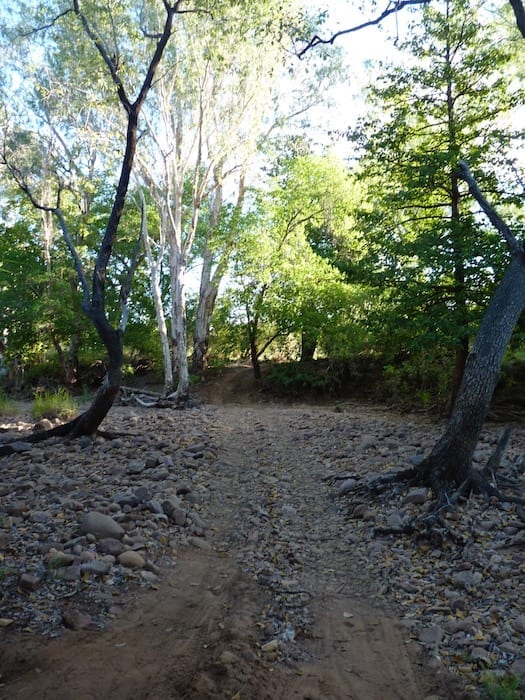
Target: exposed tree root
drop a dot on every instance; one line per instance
(432, 526)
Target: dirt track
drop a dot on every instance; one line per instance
(217, 625)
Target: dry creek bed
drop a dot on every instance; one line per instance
(87, 528)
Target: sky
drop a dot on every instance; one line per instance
(359, 48)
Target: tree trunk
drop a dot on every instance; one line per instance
(155, 265)
(201, 335)
(254, 356)
(308, 344)
(178, 329)
(71, 364)
(450, 462)
(88, 422)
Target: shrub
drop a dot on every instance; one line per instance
(58, 404)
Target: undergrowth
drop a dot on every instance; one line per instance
(7, 406)
(510, 687)
(53, 404)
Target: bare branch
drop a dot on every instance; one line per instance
(50, 24)
(392, 7)
(110, 62)
(515, 246)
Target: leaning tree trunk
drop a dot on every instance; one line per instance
(450, 462)
(89, 421)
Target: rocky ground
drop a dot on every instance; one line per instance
(223, 552)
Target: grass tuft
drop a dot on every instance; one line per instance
(53, 404)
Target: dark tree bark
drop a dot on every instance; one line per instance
(94, 300)
(308, 344)
(450, 463)
(519, 12)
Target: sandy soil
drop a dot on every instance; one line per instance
(199, 635)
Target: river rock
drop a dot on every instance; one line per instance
(131, 560)
(110, 545)
(100, 525)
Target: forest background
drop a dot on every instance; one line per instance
(333, 256)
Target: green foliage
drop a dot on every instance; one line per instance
(57, 404)
(284, 288)
(433, 262)
(313, 378)
(510, 687)
(420, 381)
(7, 406)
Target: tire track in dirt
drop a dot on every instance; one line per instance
(352, 649)
(201, 634)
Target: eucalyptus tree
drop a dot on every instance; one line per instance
(218, 100)
(201, 130)
(117, 56)
(453, 99)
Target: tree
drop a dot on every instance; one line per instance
(284, 287)
(218, 104)
(435, 262)
(448, 469)
(449, 465)
(107, 33)
(218, 85)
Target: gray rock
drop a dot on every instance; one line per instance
(346, 486)
(20, 446)
(155, 507)
(29, 582)
(481, 657)
(110, 545)
(95, 567)
(417, 496)
(18, 508)
(169, 505)
(126, 499)
(135, 466)
(142, 493)
(463, 579)
(55, 560)
(367, 442)
(197, 520)
(179, 516)
(199, 543)
(100, 525)
(40, 516)
(131, 560)
(519, 624)
(416, 460)
(68, 573)
(395, 521)
(431, 636)
(159, 474)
